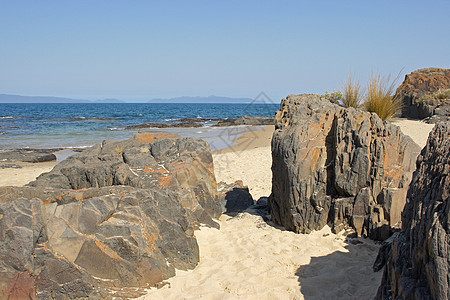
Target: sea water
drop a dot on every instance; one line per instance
(76, 125)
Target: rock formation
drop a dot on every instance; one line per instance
(234, 198)
(425, 93)
(28, 155)
(118, 215)
(417, 259)
(339, 166)
(200, 122)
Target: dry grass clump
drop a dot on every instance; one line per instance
(352, 93)
(438, 95)
(442, 94)
(380, 97)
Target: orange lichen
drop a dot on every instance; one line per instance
(105, 249)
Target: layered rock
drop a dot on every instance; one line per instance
(118, 215)
(417, 259)
(339, 166)
(425, 93)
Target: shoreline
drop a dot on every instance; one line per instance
(251, 258)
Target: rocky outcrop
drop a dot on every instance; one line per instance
(425, 93)
(28, 155)
(339, 166)
(246, 120)
(200, 122)
(118, 215)
(234, 198)
(417, 259)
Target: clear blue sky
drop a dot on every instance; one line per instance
(135, 50)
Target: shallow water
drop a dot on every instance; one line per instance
(82, 125)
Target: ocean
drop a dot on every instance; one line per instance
(77, 125)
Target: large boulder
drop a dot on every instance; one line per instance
(118, 215)
(417, 259)
(339, 166)
(425, 93)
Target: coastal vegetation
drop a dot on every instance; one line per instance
(380, 98)
(352, 93)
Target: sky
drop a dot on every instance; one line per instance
(137, 50)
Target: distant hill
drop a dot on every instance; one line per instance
(199, 99)
(5, 98)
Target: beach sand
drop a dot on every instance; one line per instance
(417, 130)
(249, 258)
(21, 176)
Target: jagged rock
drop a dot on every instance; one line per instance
(417, 259)
(118, 215)
(418, 94)
(235, 197)
(326, 157)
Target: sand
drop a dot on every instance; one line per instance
(21, 176)
(249, 258)
(417, 130)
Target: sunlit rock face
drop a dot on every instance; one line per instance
(117, 215)
(416, 260)
(340, 166)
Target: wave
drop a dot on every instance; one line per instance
(116, 128)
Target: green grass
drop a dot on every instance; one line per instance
(380, 97)
(334, 97)
(352, 93)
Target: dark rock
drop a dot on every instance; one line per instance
(417, 94)
(199, 122)
(149, 125)
(332, 164)
(28, 155)
(246, 120)
(235, 198)
(10, 166)
(118, 215)
(416, 260)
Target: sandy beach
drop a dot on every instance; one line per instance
(249, 258)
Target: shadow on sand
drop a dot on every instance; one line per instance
(342, 275)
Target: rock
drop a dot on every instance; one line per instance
(235, 198)
(200, 122)
(416, 260)
(28, 155)
(149, 125)
(10, 166)
(246, 120)
(419, 98)
(326, 157)
(118, 215)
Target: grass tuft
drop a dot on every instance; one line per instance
(380, 97)
(352, 93)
